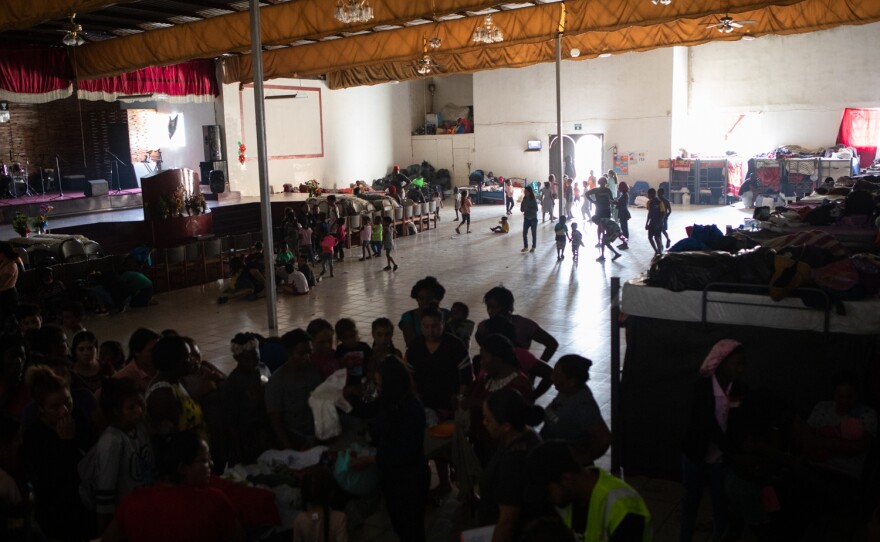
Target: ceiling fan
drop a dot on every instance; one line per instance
(728, 24)
(426, 64)
(73, 33)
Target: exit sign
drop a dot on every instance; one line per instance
(577, 126)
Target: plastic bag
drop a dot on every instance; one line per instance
(356, 482)
(323, 402)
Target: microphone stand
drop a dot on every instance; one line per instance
(116, 163)
(58, 176)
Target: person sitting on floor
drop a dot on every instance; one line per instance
(503, 227)
(296, 283)
(138, 288)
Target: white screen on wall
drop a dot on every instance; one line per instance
(294, 126)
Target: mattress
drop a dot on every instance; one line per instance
(638, 299)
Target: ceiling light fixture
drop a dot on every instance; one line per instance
(661, 2)
(604, 55)
(353, 11)
(73, 33)
(488, 32)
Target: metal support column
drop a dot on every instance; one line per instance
(263, 165)
(561, 188)
(615, 376)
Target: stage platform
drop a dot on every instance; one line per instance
(72, 204)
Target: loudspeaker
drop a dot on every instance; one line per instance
(97, 188)
(217, 181)
(213, 145)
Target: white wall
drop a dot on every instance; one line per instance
(627, 97)
(192, 117)
(364, 130)
(792, 89)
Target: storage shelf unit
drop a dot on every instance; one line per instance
(705, 179)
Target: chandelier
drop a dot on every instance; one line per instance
(664, 2)
(353, 11)
(488, 32)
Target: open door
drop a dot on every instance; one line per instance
(581, 153)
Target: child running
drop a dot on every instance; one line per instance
(366, 239)
(654, 222)
(577, 241)
(388, 241)
(609, 232)
(561, 231)
(504, 226)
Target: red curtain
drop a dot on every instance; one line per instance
(34, 75)
(190, 79)
(860, 129)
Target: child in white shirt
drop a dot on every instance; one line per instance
(366, 239)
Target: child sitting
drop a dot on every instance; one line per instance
(72, 315)
(111, 356)
(296, 283)
(303, 267)
(577, 241)
(287, 394)
(29, 316)
(285, 256)
(609, 231)
(123, 455)
(458, 324)
(503, 228)
(318, 521)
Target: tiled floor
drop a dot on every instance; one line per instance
(570, 301)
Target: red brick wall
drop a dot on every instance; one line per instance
(47, 129)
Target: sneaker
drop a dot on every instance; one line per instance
(222, 299)
(533, 249)
(394, 268)
(386, 268)
(623, 246)
(600, 259)
(525, 249)
(618, 255)
(361, 259)
(598, 245)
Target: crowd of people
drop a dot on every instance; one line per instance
(95, 441)
(605, 203)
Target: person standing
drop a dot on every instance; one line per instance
(568, 194)
(623, 214)
(457, 202)
(586, 211)
(601, 197)
(465, 212)
(508, 193)
(547, 199)
(366, 238)
(654, 222)
(529, 208)
(612, 181)
(562, 238)
(388, 241)
(667, 210)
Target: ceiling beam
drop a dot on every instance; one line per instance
(282, 24)
(20, 14)
(135, 10)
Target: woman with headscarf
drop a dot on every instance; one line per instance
(711, 434)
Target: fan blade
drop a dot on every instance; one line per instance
(736, 25)
(286, 96)
(747, 22)
(713, 25)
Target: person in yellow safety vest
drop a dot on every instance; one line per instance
(595, 505)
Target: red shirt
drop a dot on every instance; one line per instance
(176, 513)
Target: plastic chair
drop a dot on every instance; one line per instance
(212, 254)
(72, 250)
(93, 250)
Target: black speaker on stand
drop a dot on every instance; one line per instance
(217, 181)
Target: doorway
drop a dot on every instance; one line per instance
(581, 153)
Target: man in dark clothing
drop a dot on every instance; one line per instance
(601, 198)
(399, 181)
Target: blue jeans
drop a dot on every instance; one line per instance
(529, 224)
(694, 477)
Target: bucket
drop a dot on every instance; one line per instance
(407, 211)
(377, 215)
(354, 221)
(398, 213)
(432, 206)
(425, 208)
